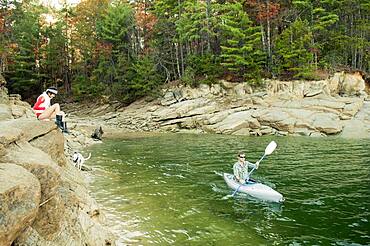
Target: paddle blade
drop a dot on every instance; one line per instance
(270, 148)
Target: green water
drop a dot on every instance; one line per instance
(168, 190)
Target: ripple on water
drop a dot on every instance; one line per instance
(313, 202)
(173, 195)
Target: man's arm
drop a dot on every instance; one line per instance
(257, 164)
(253, 165)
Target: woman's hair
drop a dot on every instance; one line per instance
(52, 90)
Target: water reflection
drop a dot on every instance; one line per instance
(175, 193)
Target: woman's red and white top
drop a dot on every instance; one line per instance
(42, 103)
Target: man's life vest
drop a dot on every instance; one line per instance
(42, 103)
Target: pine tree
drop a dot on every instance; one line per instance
(197, 29)
(320, 18)
(141, 79)
(165, 38)
(24, 72)
(116, 28)
(5, 32)
(348, 41)
(293, 55)
(240, 42)
(52, 62)
(115, 31)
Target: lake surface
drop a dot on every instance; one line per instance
(168, 190)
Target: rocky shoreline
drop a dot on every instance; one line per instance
(336, 106)
(44, 199)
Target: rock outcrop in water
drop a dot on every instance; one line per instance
(43, 198)
(307, 108)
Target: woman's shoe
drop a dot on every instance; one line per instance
(59, 122)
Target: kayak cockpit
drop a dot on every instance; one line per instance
(254, 188)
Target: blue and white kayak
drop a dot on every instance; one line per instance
(254, 189)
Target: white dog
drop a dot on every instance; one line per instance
(79, 160)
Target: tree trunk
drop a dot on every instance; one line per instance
(172, 62)
(180, 45)
(264, 45)
(269, 63)
(353, 47)
(177, 59)
(67, 69)
(208, 11)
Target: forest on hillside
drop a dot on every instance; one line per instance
(128, 49)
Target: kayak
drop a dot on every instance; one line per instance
(255, 189)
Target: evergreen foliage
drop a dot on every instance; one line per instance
(202, 70)
(241, 42)
(53, 60)
(116, 27)
(114, 31)
(23, 74)
(293, 51)
(141, 79)
(127, 49)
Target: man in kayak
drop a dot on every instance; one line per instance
(240, 168)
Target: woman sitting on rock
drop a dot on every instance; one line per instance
(45, 111)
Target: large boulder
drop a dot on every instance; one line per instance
(18, 111)
(276, 118)
(5, 112)
(314, 88)
(359, 125)
(217, 117)
(9, 134)
(203, 110)
(67, 214)
(347, 84)
(236, 121)
(353, 84)
(202, 91)
(38, 163)
(286, 89)
(20, 194)
(165, 113)
(31, 128)
(78, 229)
(351, 109)
(4, 99)
(48, 173)
(2, 81)
(340, 83)
(327, 123)
(269, 116)
(171, 97)
(180, 109)
(355, 129)
(241, 89)
(334, 83)
(19, 108)
(52, 144)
